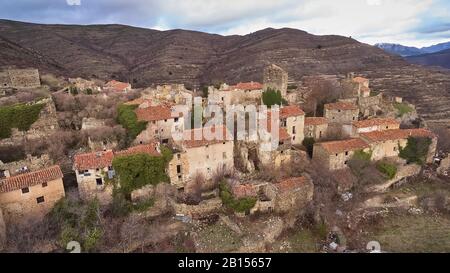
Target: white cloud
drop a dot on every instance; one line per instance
(73, 2)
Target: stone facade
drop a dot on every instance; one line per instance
(370, 125)
(276, 78)
(20, 78)
(178, 169)
(316, 127)
(83, 85)
(341, 112)
(205, 208)
(334, 155)
(242, 93)
(30, 195)
(161, 124)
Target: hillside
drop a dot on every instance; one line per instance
(144, 57)
(441, 58)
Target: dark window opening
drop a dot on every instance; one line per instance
(165, 141)
(26, 190)
(40, 199)
(44, 184)
(178, 169)
(99, 181)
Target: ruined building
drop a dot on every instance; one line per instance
(276, 78)
(19, 78)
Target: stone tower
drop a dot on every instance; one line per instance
(275, 77)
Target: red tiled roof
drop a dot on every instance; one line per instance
(190, 142)
(30, 179)
(315, 121)
(117, 86)
(333, 147)
(290, 184)
(396, 134)
(282, 132)
(138, 101)
(247, 86)
(375, 122)
(150, 149)
(341, 106)
(154, 113)
(244, 190)
(94, 160)
(99, 160)
(291, 111)
(360, 80)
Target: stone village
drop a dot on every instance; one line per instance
(204, 176)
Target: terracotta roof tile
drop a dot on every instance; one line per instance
(396, 134)
(333, 147)
(30, 179)
(375, 122)
(94, 160)
(315, 121)
(291, 111)
(290, 184)
(360, 80)
(138, 101)
(103, 159)
(341, 106)
(244, 190)
(190, 142)
(154, 113)
(117, 86)
(150, 149)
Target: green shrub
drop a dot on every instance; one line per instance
(238, 205)
(416, 150)
(128, 119)
(361, 155)
(144, 205)
(402, 108)
(20, 116)
(272, 97)
(139, 170)
(388, 169)
(308, 142)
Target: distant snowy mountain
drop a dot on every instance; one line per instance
(406, 51)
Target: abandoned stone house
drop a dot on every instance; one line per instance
(385, 144)
(293, 119)
(19, 78)
(83, 85)
(241, 93)
(117, 86)
(370, 125)
(341, 112)
(30, 163)
(30, 195)
(275, 77)
(199, 154)
(92, 170)
(45, 125)
(355, 87)
(171, 93)
(286, 195)
(316, 127)
(162, 122)
(335, 155)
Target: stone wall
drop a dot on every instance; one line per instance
(178, 170)
(205, 208)
(20, 78)
(341, 116)
(275, 77)
(32, 163)
(46, 125)
(295, 200)
(88, 188)
(369, 106)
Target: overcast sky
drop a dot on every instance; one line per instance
(409, 22)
